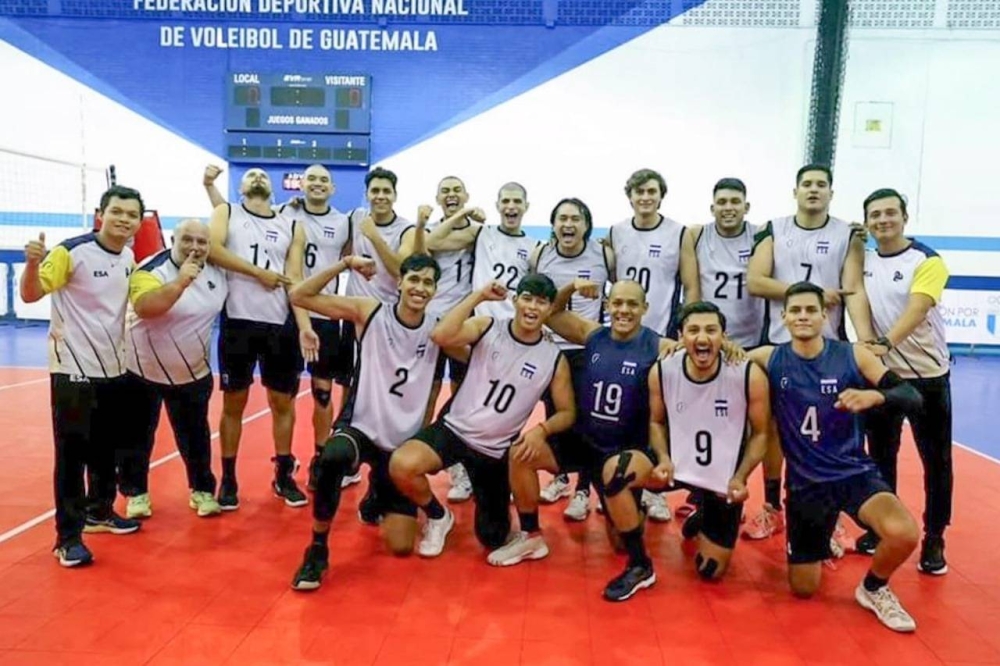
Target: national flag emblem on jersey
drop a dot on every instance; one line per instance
(271, 236)
(655, 249)
(522, 254)
(629, 368)
(722, 407)
(421, 349)
(822, 247)
(329, 232)
(528, 370)
(744, 256)
(828, 386)
(583, 273)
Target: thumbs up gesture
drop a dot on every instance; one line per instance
(35, 250)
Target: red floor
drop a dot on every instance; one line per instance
(188, 591)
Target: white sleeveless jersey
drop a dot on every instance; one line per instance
(500, 256)
(392, 379)
(383, 286)
(590, 264)
(722, 269)
(706, 422)
(326, 236)
(506, 378)
(456, 278)
(652, 258)
(264, 242)
(812, 255)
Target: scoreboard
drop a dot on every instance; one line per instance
(298, 148)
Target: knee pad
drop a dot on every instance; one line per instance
(619, 480)
(340, 453)
(707, 566)
(321, 396)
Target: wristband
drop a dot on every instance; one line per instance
(884, 341)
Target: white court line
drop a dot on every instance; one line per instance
(978, 453)
(27, 383)
(27, 525)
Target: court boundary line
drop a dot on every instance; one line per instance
(26, 383)
(37, 520)
(973, 451)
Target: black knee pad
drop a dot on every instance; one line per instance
(340, 453)
(619, 480)
(321, 396)
(707, 566)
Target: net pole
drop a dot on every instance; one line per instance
(829, 69)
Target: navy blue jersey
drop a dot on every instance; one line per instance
(820, 443)
(612, 393)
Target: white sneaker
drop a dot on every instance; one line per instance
(434, 534)
(557, 489)
(837, 547)
(461, 486)
(140, 506)
(579, 507)
(350, 480)
(656, 507)
(886, 607)
(519, 547)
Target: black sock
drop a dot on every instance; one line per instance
(320, 538)
(229, 469)
(772, 492)
(433, 509)
(529, 521)
(635, 547)
(286, 463)
(873, 583)
(319, 449)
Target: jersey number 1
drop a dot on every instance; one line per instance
(256, 251)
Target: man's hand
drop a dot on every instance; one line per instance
(528, 446)
(860, 230)
(211, 173)
(669, 347)
(855, 401)
(272, 280)
(737, 491)
(35, 250)
(834, 297)
(189, 271)
(309, 344)
(424, 214)
(875, 348)
(494, 291)
(663, 473)
(586, 288)
(733, 352)
(478, 214)
(368, 228)
(361, 265)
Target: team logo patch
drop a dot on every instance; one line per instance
(421, 349)
(329, 232)
(99, 274)
(271, 236)
(784, 383)
(722, 407)
(211, 285)
(897, 276)
(680, 407)
(744, 256)
(522, 253)
(528, 370)
(595, 357)
(629, 368)
(495, 355)
(655, 249)
(822, 247)
(828, 386)
(869, 274)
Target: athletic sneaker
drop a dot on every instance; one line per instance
(286, 489)
(557, 489)
(461, 486)
(656, 507)
(932, 557)
(204, 503)
(866, 543)
(139, 506)
(633, 579)
(368, 509)
(73, 554)
(519, 547)
(579, 507)
(434, 534)
(765, 524)
(113, 524)
(314, 565)
(886, 607)
(350, 480)
(837, 546)
(229, 499)
(692, 524)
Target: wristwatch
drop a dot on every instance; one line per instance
(884, 342)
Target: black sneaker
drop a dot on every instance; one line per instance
(73, 554)
(932, 560)
(633, 579)
(229, 495)
(866, 543)
(288, 490)
(692, 524)
(368, 510)
(313, 481)
(310, 575)
(110, 524)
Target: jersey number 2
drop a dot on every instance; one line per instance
(402, 374)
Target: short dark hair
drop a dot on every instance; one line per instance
(537, 284)
(584, 210)
(884, 193)
(805, 288)
(122, 192)
(379, 172)
(451, 178)
(730, 184)
(641, 176)
(418, 262)
(512, 186)
(815, 167)
(700, 307)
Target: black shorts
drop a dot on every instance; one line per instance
(331, 362)
(811, 513)
(720, 521)
(243, 344)
(596, 460)
(346, 352)
(569, 447)
(456, 369)
(381, 490)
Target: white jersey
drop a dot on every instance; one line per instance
(722, 270)
(326, 236)
(505, 381)
(706, 422)
(811, 255)
(264, 242)
(456, 277)
(383, 286)
(651, 257)
(173, 348)
(393, 378)
(500, 256)
(590, 264)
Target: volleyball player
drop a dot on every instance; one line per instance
(904, 280)
(818, 389)
(572, 254)
(810, 246)
(257, 247)
(511, 365)
(176, 298)
(88, 278)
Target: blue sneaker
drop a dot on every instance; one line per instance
(113, 524)
(73, 554)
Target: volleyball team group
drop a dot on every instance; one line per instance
(667, 357)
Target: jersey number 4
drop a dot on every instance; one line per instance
(810, 425)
